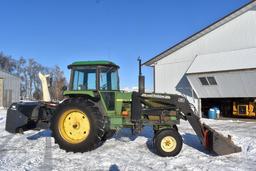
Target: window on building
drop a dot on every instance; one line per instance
(203, 81)
(211, 80)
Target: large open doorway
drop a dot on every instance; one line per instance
(230, 107)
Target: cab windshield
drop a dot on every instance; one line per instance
(85, 78)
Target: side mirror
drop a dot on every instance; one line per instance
(64, 88)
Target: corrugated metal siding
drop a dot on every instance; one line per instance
(223, 61)
(168, 76)
(239, 33)
(11, 92)
(204, 31)
(230, 84)
(1, 91)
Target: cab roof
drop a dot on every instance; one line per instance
(92, 63)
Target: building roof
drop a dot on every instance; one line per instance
(84, 63)
(10, 74)
(224, 61)
(202, 32)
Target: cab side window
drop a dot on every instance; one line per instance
(108, 79)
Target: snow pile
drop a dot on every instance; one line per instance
(36, 151)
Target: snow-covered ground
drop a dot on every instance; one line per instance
(36, 151)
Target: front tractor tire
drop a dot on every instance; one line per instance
(78, 125)
(168, 142)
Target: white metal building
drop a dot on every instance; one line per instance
(9, 89)
(216, 62)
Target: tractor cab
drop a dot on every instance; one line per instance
(94, 76)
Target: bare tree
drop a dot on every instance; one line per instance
(58, 82)
(28, 71)
(21, 72)
(7, 63)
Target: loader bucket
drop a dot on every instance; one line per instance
(217, 143)
(213, 141)
(19, 116)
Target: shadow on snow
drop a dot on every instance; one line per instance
(189, 139)
(125, 134)
(41, 134)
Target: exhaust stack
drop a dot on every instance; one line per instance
(141, 79)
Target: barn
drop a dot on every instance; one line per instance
(9, 89)
(215, 67)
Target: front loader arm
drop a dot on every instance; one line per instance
(209, 138)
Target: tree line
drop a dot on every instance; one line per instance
(27, 70)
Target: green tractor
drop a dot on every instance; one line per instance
(95, 108)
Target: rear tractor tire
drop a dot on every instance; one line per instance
(78, 125)
(168, 142)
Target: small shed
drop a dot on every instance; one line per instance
(9, 89)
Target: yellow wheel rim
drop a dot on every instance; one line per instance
(74, 126)
(168, 144)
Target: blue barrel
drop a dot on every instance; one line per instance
(212, 113)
